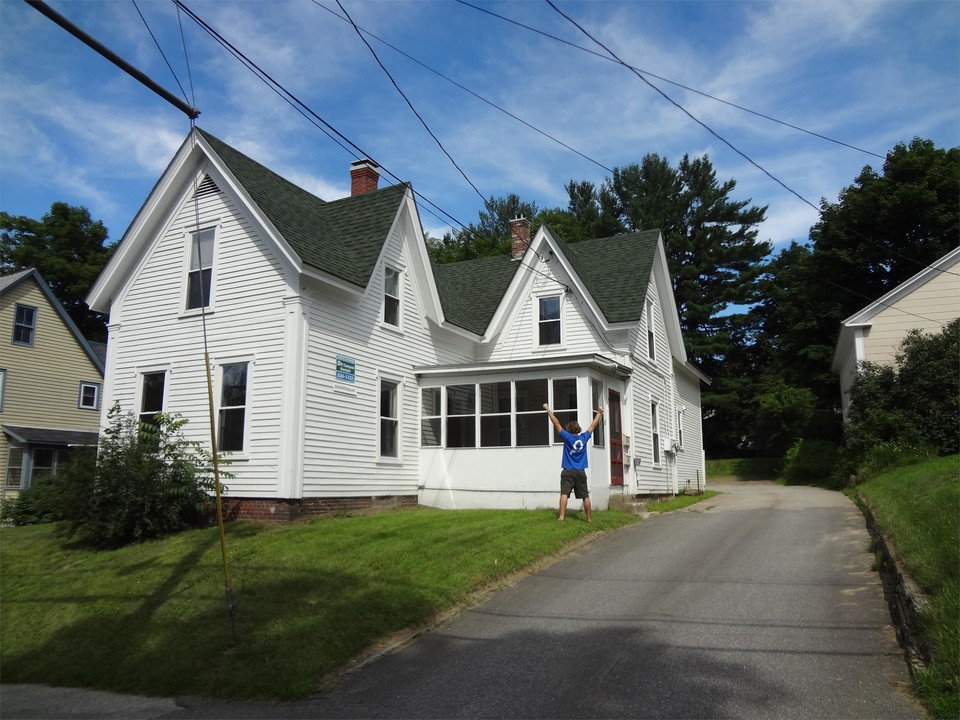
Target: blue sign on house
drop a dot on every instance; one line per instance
(346, 369)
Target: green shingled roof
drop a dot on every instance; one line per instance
(343, 237)
(616, 271)
(471, 290)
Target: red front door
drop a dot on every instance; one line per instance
(616, 439)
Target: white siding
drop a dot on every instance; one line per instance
(341, 443)
(149, 331)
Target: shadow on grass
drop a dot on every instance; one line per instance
(292, 630)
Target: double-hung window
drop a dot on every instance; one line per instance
(651, 336)
(233, 407)
(24, 325)
(89, 396)
(549, 320)
(389, 419)
(14, 475)
(151, 396)
(391, 296)
(200, 275)
(655, 430)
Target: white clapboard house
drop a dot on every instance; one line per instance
(349, 371)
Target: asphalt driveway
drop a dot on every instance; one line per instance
(760, 603)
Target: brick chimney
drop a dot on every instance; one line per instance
(520, 234)
(364, 176)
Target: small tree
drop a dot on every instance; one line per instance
(149, 481)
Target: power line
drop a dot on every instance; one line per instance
(469, 91)
(302, 107)
(667, 80)
(410, 104)
(155, 42)
(731, 145)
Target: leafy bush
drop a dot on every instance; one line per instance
(904, 413)
(810, 461)
(38, 503)
(783, 413)
(148, 481)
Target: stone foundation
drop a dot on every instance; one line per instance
(287, 509)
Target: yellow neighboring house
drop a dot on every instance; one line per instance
(927, 302)
(51, 382)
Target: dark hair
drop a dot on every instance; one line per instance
(573, 427)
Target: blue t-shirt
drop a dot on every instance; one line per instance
(575, 450)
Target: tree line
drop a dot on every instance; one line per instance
(762, 324)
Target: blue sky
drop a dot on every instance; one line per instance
(75, 128)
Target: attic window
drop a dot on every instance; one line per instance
(207, 187)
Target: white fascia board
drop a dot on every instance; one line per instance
(588, 360)
(863, 316)
(692, 370)
(668, 303)
(418, 257)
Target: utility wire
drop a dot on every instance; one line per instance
(469, 91)
(410, 104)
(176, 79)
(731, 145)
(183, 41)
(667, 80)
(291, 98)
(874, 301)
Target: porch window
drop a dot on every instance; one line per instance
(24, 325)
(431, 409)
(533, 425)
(564, 403)
(233, 407)
(151, 397)
(199, 277)
(14, 467)
(461, 416)
(389, 419)
(596, 400)
(655, 431)
(549, 321)
(391, 297)
(44, 462)
(495, 414)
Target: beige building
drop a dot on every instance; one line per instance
(926, 302)
(50, 382)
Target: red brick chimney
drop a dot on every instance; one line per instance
(364, 176)
(520, 232)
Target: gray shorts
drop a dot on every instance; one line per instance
(575, 480)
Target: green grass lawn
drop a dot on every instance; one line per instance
(680, 501)
(151, 619)
(743, 468)
(918, 510)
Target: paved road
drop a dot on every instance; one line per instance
(760, 603)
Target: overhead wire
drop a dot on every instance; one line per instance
(291, 98)
(155, 42)
(667, 80)
(469, 91)
(730, 144)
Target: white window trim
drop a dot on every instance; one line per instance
(535, 312)
(401, 283)
(681, 413)
(188, 241)
(97, 387)
(440, 416)
(138, 396)
(399, 382)
(3, 385)
(249, 360)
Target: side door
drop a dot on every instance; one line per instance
(616, 438)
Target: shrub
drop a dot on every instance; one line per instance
(149, 481)
(810, 461)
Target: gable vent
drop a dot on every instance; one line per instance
(207, 187)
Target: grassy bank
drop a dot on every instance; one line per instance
(743, 468)
(151, 619)
(918, 510)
